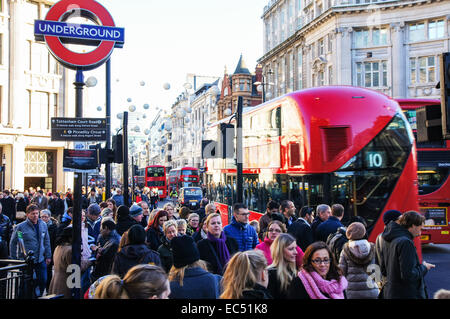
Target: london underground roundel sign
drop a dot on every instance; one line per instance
(56, 32)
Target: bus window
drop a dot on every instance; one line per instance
(155, 172)
(431, 178)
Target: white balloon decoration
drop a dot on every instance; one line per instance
(146, 106)
(99, 108)
(120, 116)
(166, 86)
(187, 120)
(147, 131)
(144, 116)
(227, 112)
(132, 108)
(142, 83)
(129, 99)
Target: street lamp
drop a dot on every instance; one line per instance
(261, 86)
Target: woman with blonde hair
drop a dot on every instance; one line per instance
(283, 268)
(140, 282)
(217, 248)
(246, 276)
(165, 249)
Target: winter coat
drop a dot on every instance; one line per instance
(105, 257)
(132, 255)
(93, 229)
(404, 273)
(5, 228)
(124, 223)
(356, 257)
(274, 286)
(328, 227)
(197, 284)
(199, 235)
(154, 238)
(52, 227)
(258, 292)
(118, 199)
(244, 234)
(316, 222)
(42, 204)
(165, 254)
(21, 205)
(208, 253)
(9, 207)
(302, 233)
(56, 206)
(40, 245)
(62, 259)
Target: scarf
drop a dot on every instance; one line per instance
(221, 248)
(267, 252)
(315, 285)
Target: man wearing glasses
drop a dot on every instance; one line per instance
(240, 229)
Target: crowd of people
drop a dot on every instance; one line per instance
(140, 252)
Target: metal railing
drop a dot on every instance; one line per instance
(16, 279)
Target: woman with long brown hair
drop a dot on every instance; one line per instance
(320, 277)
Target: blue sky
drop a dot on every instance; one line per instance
(166, 39)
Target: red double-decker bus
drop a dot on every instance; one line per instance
(325, 145)
(433, 161)
(155, 176)
(183, 177)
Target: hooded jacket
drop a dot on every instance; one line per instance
(132, 255)
(404, 273)
(356, 258)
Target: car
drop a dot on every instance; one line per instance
(190, 197)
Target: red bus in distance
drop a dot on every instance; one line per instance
(155, 176)
(183, 177)
(433, 161)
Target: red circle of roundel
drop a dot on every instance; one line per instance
(73, 59)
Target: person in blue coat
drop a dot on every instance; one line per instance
(240, 229)
(189, 278)
(331, 225)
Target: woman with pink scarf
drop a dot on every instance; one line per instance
(320, 276)
(274, 229)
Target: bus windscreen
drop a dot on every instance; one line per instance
(155, 172)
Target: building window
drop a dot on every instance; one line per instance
(291, 71)
(379, 37)
(321, 78)
(361, 38)
(422, 70)
(436, 29)
(321, 47)
(417, 32)
(1, 47)
(330, 75)
(299, 69)
(39, 110)
(330, 43)
(371, 74)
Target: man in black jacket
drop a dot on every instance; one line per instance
(400, 264)
(323, 212)
(301, 228)
(8, 205)
(5, 234)
(56, 206)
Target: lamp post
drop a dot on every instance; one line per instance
(239, 151)
(261, 85)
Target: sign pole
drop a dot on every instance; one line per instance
(125, 159)
(78, 180)
(108, 128)
(239, 151)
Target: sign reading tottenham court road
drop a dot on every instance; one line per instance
(55, 31)
(78, 129)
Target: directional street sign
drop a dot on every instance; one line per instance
(78, 129)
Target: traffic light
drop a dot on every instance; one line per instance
(225, 140)
(429, 123)
(117, 148)
(445, 93)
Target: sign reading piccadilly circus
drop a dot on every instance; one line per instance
(56, 32)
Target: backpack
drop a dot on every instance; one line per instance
(336, 242)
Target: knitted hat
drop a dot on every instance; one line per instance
(136, 235)
(355, 231)
(185, 251)
(94, 209)
(391, 215)
(135, 210)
